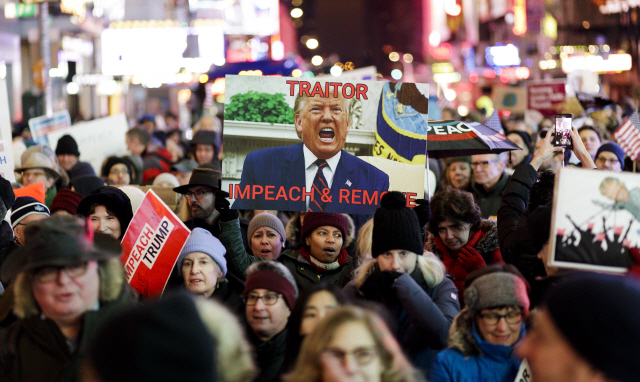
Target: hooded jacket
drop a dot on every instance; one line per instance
(469, 358)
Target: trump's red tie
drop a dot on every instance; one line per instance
(320, 187)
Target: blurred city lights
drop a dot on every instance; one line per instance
(408, 58)
(394, 56)
(586, 25)
(463, 110)
(304, 39)
(72, 88)
(451, 8)
(312, 43)
(316, 60)
(396, 74)
(296, 13)
(203, 79)
(449, 94)
(336, 71)
(296, 73)
(296, 3)
(434, 39)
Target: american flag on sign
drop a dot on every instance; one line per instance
(494, 122)
(628, 136)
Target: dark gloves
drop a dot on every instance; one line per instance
(222, 205)
(470, 259)
(423, 210)
(378, 287)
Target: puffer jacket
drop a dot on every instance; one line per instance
(469, 358)
(485, 242)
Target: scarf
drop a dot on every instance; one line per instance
(323, 267)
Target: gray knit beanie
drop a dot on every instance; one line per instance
(201, 240)
(266, 219)
(496, 289)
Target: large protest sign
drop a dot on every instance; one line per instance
(596, 223)
(510, 98)
(42, 126)
(6, 146)
(151, 246)
(96, 139)
(295, 121)
(547, 97)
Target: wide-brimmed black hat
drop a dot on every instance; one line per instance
(202, 177)
(58, 241)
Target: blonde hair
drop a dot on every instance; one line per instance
(232, 347)
(394, 365)
(363, 242)
(430, 265)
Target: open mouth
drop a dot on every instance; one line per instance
(329, 251)
(265, 251)
(326, 134)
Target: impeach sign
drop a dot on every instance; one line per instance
(151, 245)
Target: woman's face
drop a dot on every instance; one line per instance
(500, 326)
(200, 273)
(204, 154)
(318, 306)
(266, 243)
(106, 222)
(591, 141)
(397, 260)
(454, 235)
(460, 174)
(65, 295)
(119, 174)
(325, 243)
(353, 346)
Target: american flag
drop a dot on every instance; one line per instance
(628, 136)
(494, 122)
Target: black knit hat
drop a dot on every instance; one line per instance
(598, 315)
(86, 184)
(395, 226)
(6, 193)
(161, 342)
(67, 145)
(114, 200)
(204, 137)
(112, 161)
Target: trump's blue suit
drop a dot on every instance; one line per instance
(284, 166)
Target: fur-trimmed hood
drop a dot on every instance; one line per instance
(293, 229)
(486, 245)
(112, 286)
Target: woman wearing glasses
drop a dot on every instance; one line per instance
(352, 344)
(481, 347)
(269, 294)
(117, 171)
(460, 237)
(67, 281)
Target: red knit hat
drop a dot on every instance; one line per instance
(313, 220)
(67, 200)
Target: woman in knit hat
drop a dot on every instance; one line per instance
(485, 333)
(117, 171)
(109, 210)
(65, 202)
(321, 257)
(202, 265)
(408, 280)
(266, 236)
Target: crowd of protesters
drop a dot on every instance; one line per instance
(455, 289)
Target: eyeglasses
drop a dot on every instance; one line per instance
(33, 174)
(612, 162)
(199, 194)
(49, 274)
(491, 319)
(268, 299)
(483, 164)
(118, 172)
(362, 356)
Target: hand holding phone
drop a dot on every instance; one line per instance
(562, 137)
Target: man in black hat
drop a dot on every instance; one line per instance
(69, 157)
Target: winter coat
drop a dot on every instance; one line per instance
(238, 259)
(484, 241)
(489, 202)
(269, 355)
(513, 230)
(229, 293)
(470, 358)
(422, 316)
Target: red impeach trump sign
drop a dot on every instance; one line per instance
(151, 245)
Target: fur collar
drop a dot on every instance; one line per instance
(460, 336)
(487, 244)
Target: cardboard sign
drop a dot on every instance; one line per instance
(547, 97)
(96, 139)
(42, 126)
(510, 98)
(151, 246)
(6, 143)
(336, 119)
(596, 224)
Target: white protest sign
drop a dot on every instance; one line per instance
(6, 145)
(524, 373)
(44, 125)
(96, 139)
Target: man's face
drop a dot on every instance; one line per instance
(487, 168)
(324, 125)
(201, 202)
(550, 356)
(119, 174)
(67, 161)
(517, 155)
(267, 320)
(37, 175)
(134, 146)
(607, 160)
(18, 231)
